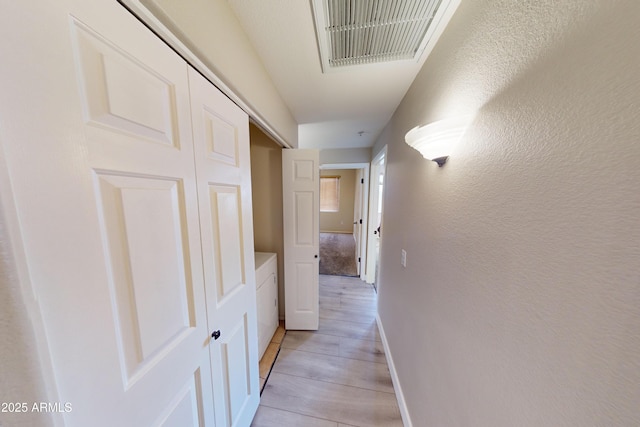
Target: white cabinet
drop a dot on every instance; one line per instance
(267, 298)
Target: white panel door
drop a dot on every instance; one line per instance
(101, 163)
(223, 168)
(301, 216)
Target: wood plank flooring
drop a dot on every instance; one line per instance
(270, 354)
(336, 376)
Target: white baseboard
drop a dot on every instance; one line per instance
(404, 411)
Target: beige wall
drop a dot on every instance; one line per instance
(520, 301)
(210, 29)
(341, 221)
(345, 155)
(266, 183)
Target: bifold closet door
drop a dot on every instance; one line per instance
(139, 145)
(223, 170)
(100, 152)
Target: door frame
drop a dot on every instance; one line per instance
(374, 196)
(364, 233)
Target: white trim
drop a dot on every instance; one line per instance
(381, 154)
(149, 19)
(373, 203)
(402, 404)
(364, 232)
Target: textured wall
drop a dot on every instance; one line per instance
(341, 221)
(520, 302)
(266, 183)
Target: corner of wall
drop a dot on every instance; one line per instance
(27, 374)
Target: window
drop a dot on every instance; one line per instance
(329, 193)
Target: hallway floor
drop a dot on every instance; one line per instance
(336, 376)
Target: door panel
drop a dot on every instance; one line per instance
(304, 219)
(227, 238)
(301, 211)
(185, 409)
(123, 93)
(221, 135)
(236, 360)
(305, 292)
(144, 231)
(222, 143)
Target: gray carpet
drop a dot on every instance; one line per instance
(338, 254)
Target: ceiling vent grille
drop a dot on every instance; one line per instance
(359, 32)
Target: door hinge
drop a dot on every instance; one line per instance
(361, 180)
(359, 259)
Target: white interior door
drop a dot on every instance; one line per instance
(301, 216)
(221, 134)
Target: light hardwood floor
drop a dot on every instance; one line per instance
(270, 354)
(336, 376)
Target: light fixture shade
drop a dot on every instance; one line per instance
(436, 140)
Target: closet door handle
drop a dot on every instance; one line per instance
(216, 334)
(315, 256)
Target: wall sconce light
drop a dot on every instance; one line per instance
(436, 140)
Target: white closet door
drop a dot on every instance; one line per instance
(101, 157)
(223, 168)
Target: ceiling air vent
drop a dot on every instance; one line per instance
(360, 32)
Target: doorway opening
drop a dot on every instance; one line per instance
(343, 221)
(378, 168)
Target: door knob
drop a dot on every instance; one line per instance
(216, 334)
(315, 256)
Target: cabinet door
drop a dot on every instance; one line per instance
(101, 165)
(264, 314)
(221, 135)
(273, 301)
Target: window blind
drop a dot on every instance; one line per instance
(329, 194)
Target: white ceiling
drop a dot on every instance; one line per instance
(331, 109)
